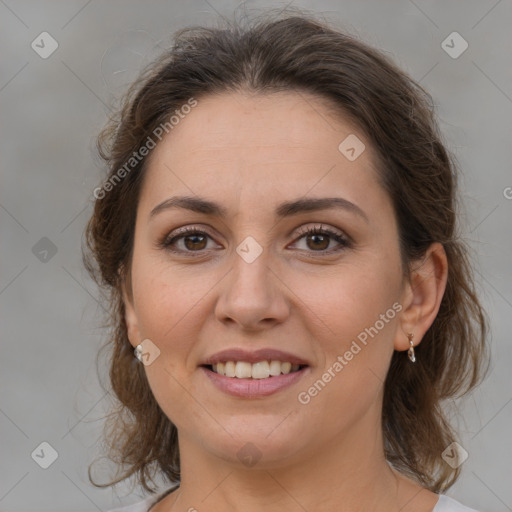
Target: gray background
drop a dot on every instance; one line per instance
(51, 110)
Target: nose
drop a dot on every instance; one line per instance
(253, 296)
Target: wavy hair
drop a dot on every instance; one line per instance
(293, 51)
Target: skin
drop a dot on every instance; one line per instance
(250, 152)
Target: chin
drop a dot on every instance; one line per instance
(262, 447)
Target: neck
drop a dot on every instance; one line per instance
(348, 474)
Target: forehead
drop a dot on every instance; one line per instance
(257, 146)
(245, 120)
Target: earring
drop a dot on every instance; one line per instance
(411, 354)
(138, 352)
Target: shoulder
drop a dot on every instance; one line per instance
(447, 504)
(140, 506)
(145, 504)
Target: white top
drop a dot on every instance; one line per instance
(445, 504)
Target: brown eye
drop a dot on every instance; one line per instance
(318, 241)
(319, 238)
(193, 240)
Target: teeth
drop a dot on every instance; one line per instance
(259, 370)
(286, 367)
(243, 370)
(275, 368)
(229, 369)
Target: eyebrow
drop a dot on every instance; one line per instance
(286, 209)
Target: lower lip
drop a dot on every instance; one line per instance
(254, 388)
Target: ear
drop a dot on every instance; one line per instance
(130, 315)
(422, 295)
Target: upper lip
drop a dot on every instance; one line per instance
(254, 356)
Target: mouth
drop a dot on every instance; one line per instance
(264, 369)
(254, 373)
(246, 380)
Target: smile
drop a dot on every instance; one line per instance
(259, 370)
(264, 384)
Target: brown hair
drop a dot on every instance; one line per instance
(294, 51)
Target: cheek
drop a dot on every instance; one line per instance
(163, 295)
(348, 300)
(352, 318)
(172, 307)
(170, 314)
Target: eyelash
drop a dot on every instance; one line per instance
(168, 241)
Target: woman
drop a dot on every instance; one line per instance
(278, 232)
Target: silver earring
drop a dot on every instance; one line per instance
(411, 354)
(138, 352)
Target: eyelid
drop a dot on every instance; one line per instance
(304, 230)
(182, 232)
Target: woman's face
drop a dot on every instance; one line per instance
(254, 282)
